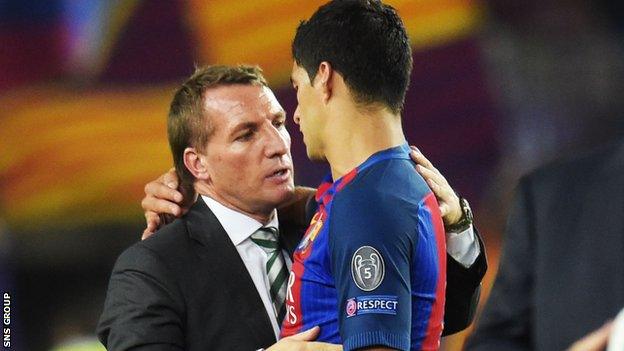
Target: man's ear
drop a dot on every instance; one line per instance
(325, 76)
(196, 163)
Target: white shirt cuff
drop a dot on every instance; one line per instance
(463, 246)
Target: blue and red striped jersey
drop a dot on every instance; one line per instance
(371, 268)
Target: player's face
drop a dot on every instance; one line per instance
(308, 114)
(248, 153)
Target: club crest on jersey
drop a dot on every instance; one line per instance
(367, 268)
(375, 304)
(315, 227)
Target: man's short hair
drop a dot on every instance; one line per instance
(366, 42)
(187, 123)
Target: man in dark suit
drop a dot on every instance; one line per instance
(561, 273)
(185, 289)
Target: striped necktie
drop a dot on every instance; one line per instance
(266, 238)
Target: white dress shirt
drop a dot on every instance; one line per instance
(239, 228)
(463, 246)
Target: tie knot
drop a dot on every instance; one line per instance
(266, 238)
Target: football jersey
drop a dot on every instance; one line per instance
(371, 267)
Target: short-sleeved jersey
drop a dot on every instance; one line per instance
(371, 267)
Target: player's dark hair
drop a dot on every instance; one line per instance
(187, 123)
(366, 42)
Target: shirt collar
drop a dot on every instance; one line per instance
(328, 187)
(237, 225)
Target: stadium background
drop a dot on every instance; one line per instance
(498, 88)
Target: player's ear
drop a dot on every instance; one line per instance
(324, 77)
(196, 163)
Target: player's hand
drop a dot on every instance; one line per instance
(596, 341)
(163, 202)
(447, 199)
(304, 342)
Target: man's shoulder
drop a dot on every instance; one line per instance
(168, 243)
(169, 237)
(589, 166)
(387, 199)
(385, 184)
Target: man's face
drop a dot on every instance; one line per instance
(308, 114)
(248, 153)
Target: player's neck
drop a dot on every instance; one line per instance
(356, 135)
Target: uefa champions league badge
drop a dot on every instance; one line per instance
(367, 268)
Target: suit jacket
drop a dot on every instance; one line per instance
(561, 273)
(463, 290)
(186, 288)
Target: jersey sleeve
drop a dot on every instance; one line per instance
(371, 241)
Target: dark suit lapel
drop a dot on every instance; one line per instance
(221, 257)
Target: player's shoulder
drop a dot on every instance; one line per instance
(386, 197)
(589, 168)
(379, 208)
(393, 180)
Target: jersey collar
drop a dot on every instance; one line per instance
(329, 187)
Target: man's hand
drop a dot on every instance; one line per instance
(447, 199)
(303, 342)
(596, 341)
(163, 202)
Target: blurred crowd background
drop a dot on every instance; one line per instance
(498, 88)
